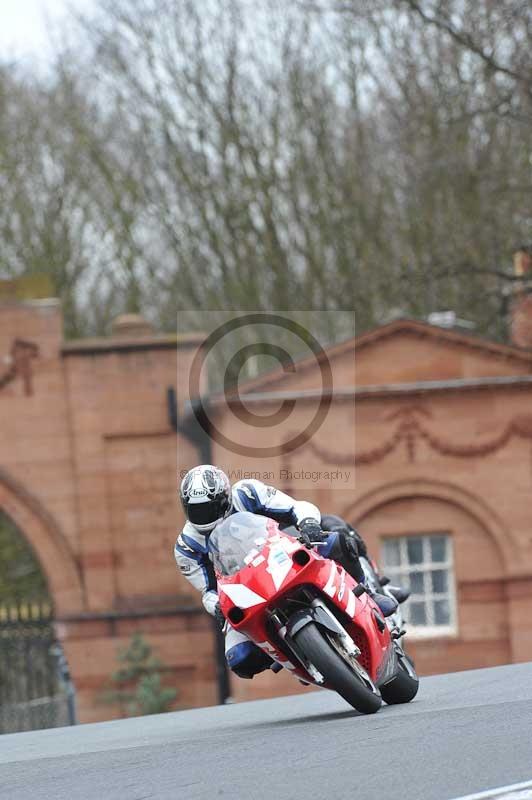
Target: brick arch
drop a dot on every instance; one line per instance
(471, 504)
(48, 542)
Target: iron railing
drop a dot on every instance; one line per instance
(35, 687)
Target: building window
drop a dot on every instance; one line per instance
(424, 564)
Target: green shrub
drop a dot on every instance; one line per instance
(137, 684)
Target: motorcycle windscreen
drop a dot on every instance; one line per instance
(236, 540)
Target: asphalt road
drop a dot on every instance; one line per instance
(464, 733)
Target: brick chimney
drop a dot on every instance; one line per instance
(132, 326)
(521, 306)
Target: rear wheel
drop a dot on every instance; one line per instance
(403, 688)
(340, 670)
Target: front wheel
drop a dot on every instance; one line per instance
(340, 673)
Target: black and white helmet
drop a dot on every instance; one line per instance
(206, 496)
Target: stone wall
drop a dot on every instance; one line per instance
(88, 473)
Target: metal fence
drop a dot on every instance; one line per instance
(35, 687)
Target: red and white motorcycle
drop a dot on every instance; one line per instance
(308, 614)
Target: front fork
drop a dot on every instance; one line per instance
(291, 646)
(317, 613)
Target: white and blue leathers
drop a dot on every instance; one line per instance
(191, 552)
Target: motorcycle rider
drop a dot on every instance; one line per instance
(208, 498)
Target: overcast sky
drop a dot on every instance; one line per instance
(23, 24)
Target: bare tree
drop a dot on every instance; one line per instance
(258, 156)
(452, 82)
(51, 217)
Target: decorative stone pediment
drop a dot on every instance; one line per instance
(402, 352)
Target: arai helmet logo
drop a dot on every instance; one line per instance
(201, 492)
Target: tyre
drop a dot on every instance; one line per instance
(403, 688)
(339, 673)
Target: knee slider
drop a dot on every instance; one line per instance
(246, 659)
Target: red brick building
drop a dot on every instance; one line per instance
(441, 489)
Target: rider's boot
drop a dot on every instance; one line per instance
(399, 593)
(388, 605)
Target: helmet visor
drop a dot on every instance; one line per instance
(206, 513)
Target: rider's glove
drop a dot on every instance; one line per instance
(310, 532)
(219, 617)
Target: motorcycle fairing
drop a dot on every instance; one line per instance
(268, 579)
